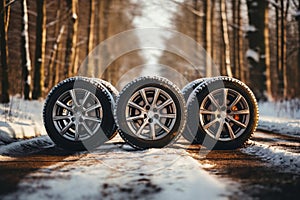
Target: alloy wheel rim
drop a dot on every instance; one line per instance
(224, 114)
(77, 114)
(150, 113)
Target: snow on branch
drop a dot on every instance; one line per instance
(253, 55)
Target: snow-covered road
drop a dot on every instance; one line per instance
(114, 171)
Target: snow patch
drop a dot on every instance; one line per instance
(280, 117)
(280, 125)
(21, 118)
(277, 157)
(24, 147)
(250, 28)
(252, 54)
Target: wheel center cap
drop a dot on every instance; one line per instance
(150, 114)
(223, 114)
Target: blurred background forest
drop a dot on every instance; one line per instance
(45, 41)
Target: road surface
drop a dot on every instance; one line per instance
(49, 168)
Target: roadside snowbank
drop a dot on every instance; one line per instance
(284, 126)
(280, 117)
(21, 118)
(277, 157)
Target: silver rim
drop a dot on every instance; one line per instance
(77, 114)
(150, 113)
(224, 114)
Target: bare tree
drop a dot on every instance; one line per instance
(225, 37)
(297, 16)
(90, 67)
(4, 54)
(256, 54)
(53, 66)
(26, 61)
(207, 33)
(38, 84)
(284, 7)
(240, 43)
(71, 38)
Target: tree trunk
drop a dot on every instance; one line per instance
(207, 35)
(38, 86)
(279, 83)
(4, 54)
(212, 12)
(268, 56)
(284, 10)
(26, 61)
(298, 69)
(235, 39)
(90, 65)
(225, 37)
(240, 44)
(257, 47)
(71, 38)
(104, 31)
(53, 56)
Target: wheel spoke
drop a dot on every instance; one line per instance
(155, 97)
(168, 116)
(213, 100)
(61, 117)
(163, 126)
(240, 124)
(220, 128)
(207, 112)
(240, 112)
(142, 127)
(66, 128)
(86, 95)
(225, 93)
(169, 101)
(135, 117)
(95, 119)
(76, 136)
(134, 105)
(144, 96)
(93, 107)
(231, 133)
(206, 126)
(73, 96)
(61, 104)
(87, 129)
(236, 100)
(152, 131)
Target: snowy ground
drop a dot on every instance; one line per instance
(21, 119)
(116, 171)
(282, 118)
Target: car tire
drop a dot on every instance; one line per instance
(150, 112)
(77, 114)
(227, 113)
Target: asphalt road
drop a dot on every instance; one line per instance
(256, 178)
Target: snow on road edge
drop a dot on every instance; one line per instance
(277, 157)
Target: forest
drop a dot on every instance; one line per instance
(45, 41)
